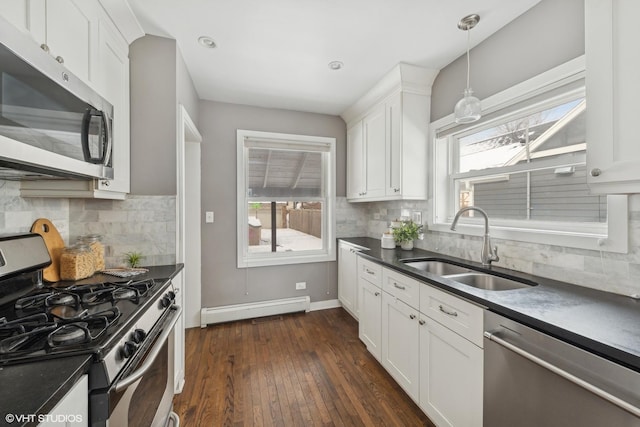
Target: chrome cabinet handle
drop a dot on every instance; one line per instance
(450, 313)
(60, 59)
(369, 271)
(564, 374)
(596, 172)
(421, 321)
(399, 286)
(44, 47)
(152, 355)
(105, 182)
(396, 190)
(412, 316)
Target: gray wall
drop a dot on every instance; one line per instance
(549, 34)
(222, 282)
(159, 81)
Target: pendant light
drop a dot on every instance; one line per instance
(468, 109)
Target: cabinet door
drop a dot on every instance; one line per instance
(370, 324)
(613, 90)
(400, 344)
(70, 28)
(74, 405)
(355, 162)
(16, 12)
(394, 149)
(375, 142)
(113, 84)
(348, 278)
(450, 376)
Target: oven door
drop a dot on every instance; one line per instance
(143, 394)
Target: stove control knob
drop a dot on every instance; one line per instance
(165, 301)
(171, 295)
(138, 336)
(128, 349)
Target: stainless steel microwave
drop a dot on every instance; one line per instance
(52, 124)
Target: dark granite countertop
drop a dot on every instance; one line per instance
(35, 388)
(600, 322)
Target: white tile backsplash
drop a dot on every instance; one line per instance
(612, 272)
(140, 223)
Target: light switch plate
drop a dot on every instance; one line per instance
(208, 217)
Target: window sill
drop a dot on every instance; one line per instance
(286, 260)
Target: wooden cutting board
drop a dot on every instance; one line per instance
(55, 244)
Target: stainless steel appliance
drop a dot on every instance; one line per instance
(126, 326)
(532, 379)
(51, 123)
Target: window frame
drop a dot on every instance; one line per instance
(611, 236)
(328, 251)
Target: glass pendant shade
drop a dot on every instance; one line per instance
(468, 109)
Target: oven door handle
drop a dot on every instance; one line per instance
(564, 374)
(153, 353)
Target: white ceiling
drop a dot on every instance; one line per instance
(275, 53)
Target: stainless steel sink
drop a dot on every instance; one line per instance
(488, 282)
(439, 268)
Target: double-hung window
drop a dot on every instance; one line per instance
(286, 198)
(525, 165)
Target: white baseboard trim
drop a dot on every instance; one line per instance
(324, 305)
(252, 310)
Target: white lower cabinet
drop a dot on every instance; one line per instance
(400, 349)
(72, 410)
(370, 319)
(348, 277)
(431, 345)
(451, 380)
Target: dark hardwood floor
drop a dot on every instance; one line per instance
(304, 369)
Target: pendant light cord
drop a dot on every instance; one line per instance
(468, 60)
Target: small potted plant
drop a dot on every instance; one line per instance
(406, 234)
(133, 259)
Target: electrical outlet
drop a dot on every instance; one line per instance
(301, 285)
(208, 217)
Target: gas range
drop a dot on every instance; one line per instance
(59, 320)
(126, 326)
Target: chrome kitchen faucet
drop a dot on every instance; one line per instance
(488, 254)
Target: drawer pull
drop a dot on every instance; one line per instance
(399, 286)
(450, 313)
(412, 316)
(369, 271)
(421, 321)
(377, 294)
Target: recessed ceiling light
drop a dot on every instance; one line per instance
(335, 65)
(207, 42)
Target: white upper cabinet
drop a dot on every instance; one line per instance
(613, 90)
(113, 60)
(86, 39)
(356, 161)
(63, 28)
(387, 137)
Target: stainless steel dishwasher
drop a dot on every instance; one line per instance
(532, 380)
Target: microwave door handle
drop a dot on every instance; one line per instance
(86, 123)
(153, 353)
(106, 156)
(106, 123)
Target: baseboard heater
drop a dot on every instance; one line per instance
(251, 310)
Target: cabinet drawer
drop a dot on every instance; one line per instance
(370, 271)
(402, 287)
(462, 317)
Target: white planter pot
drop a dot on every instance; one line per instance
(407, 246)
